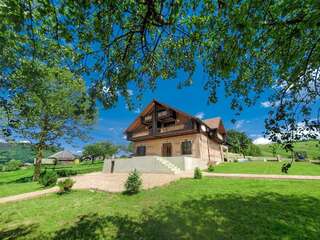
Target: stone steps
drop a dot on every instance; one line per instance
(169, 165)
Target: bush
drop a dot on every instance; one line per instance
(285, 167)
(197, 173)
(211, 168)
(65, 185)
(48, 178)
(133, 183)
(12, 165)
(66, 172)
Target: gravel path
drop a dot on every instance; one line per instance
(115, 182)
(29, 195)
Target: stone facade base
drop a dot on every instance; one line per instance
(153, 164)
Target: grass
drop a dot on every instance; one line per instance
(260, 167)
(311, 147)
(208, 208)
(16, 182)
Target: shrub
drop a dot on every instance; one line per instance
(12, 165)
(65, 185)
(285, 167)
(211, 168)
(66, 172)
(133, 183)
(48, 178)
(197, 173)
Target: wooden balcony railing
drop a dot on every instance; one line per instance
(172, 128)
(140, 134)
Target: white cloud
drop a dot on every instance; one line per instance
(130, 92)
(200, 115)
(138, 110)
(25, 141)
(268, 104)
(2, 140)
(261, 140)
(239, 124)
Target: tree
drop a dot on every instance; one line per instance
(275, 148)
(100, 149)
(130, 147)
(241, 143)
(49, 104)
(249, 47)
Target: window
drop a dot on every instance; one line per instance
(186, 147)
(141, 151)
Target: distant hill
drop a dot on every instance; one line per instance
(19, 151)
(311, 147)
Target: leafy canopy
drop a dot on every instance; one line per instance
(241, 143)
(249, 47)
(100, 149)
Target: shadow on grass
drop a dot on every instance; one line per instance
(263, 216)
(15, 232)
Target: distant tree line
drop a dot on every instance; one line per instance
(239, 142)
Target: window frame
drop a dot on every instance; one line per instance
(186, 147)
(139, 153)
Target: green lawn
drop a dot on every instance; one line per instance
(260, 167)
(188, 209)
(311, 147)
(16, 182)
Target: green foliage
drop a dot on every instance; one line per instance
(50, 104)
(253, 150)
(130, 147)
(22, 151)
(249, 47)
(133, 183)
(12, 165)
(285, 167)
(99, 150)
(65, 185)
(48, 178)
(211, 168)
(241, 143)
(66, 172)
(197, 173)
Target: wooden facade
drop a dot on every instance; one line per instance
(164, 131)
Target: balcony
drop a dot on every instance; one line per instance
(172, 128)
(140, 134)
(146, 119)
(162, 132)
(166, 115)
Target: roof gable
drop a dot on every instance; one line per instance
(148, 108)
(212, 123)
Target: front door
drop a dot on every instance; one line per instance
(167, 150)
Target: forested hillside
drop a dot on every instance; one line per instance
(19, 151)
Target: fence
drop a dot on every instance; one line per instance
(233, 157)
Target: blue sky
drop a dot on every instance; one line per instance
(111, 123)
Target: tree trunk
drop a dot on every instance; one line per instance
(37, 166)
